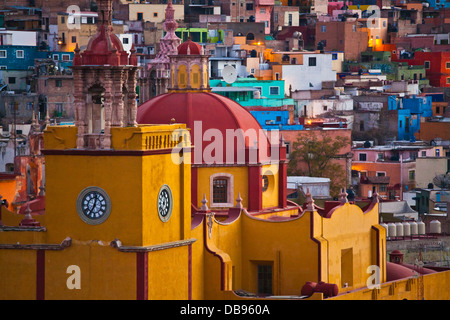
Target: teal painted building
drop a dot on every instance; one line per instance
(250, 92)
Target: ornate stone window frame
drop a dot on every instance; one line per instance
(230, 190)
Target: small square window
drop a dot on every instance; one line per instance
(3, 54)
(312, 62)
(362, 157)
(427, 64)
(155, 14)
(58, 83)
(74, 39)
(274, 90)
(323, 28)
(447, 65)
(19, 54)
(11, 80)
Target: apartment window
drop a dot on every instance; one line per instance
(438, 110)
(63, 19)
(448, 80)
(412, 175)
(383, 188)
(274, 90)
(140, 16)
(312, 62)
(264, 279)
(155, 14)
(3, 54)
(447, 65)
(290, 19)
(74, 39)
(323, 28)
(275, 17)
(55, 57)
(325, 108)
(252, 71)
(334, 56)
(58, 83)
(381, 174)
(354, 28)
(66, 57)
(249, 6)
(3, 68)
(380, 156)
(361, 125)
(363, 157)
(262, 10)
(437, 153)
(11, 80)
(424, 153)
(427, 64)
(19, 54)
(125, 40)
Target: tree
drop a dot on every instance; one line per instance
(313, 154)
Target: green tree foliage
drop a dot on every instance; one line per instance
(312, 155)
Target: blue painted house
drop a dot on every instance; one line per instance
(17, 64)
(410, 110)
(274, 119)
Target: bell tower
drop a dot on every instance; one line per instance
(159, 68)
(105, 85)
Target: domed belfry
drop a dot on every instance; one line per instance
(104, 85)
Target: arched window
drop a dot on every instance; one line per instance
(221, 190)
(250, 36)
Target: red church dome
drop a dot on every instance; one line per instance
(194, 48)
(212, 111)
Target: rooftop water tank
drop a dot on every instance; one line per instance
(392, 230)
(406, 229)
(385, 226)
(421, 227)
(435, 226)
(399, 229)
(414, 228)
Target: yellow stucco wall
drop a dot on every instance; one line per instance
(102, 270)
(17, 281)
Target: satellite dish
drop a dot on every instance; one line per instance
(442, 181)
(229, 74)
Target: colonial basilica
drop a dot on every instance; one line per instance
(161, 202)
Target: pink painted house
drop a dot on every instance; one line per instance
(263, 12)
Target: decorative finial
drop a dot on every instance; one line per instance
(204, 203)
(239, 201)
(343, 196)
(309, 201)
(376, 197)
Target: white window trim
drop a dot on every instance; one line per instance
(230, 190)
(6, 54)
(17, 54)
(380, 172)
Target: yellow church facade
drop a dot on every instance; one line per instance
(137, 253)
